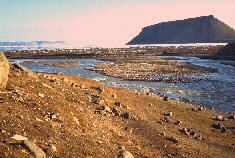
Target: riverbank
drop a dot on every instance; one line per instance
(68, 116)
(208, 52)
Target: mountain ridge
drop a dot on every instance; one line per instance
(204, 29)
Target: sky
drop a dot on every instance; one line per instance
(104, 23)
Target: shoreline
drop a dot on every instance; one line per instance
(206, 52)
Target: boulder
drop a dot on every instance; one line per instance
(38, 152)
(25, 70)
(125, 154)
(4, 71)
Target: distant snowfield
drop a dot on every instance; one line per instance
(77, 46)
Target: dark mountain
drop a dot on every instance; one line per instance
(205, 29)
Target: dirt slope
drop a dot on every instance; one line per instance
(63, 116)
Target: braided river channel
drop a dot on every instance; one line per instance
(214, 90)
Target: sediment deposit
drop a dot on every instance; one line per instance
(151, 69)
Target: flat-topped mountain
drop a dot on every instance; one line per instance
(205, 29)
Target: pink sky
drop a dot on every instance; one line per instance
(115, 26)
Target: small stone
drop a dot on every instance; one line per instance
(150, 94)
(41, 95)
(117, 103)
(163, 134)
(165, 98)
(37, 119)
(125, 154)
(52, 80)
(200, 109)
(178, 122)
(21, 117)
(223, 129)
(45, 85)
(185, 100)
(187, 133)
(168, 114)
(232, 117)
(225, 119)
(128, 129)
(82, 86)
(107, 109)
(100, 89)
(199, 137)
(185, 130)
(38, 152)
(73, 85)
(76, 120)
(174, 140)
(219, 117)
(3, 131)
(65, 80)
(57, 83)
(193, 133)
(218, 126)
(169, 155)
(114, 95)
(126, 115)
(53, 116)
(114, 110)
(53, 147)
(97, 100)
(117, 114)
(165, 119)
(126, 107)
(19, 137)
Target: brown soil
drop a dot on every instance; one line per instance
(55, 112)
(147, 68)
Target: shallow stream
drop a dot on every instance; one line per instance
(216, 90)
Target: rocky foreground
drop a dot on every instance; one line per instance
(51, 115)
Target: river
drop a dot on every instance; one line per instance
(215, 90)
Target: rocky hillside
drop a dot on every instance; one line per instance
(57, 116)
(205, 29)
